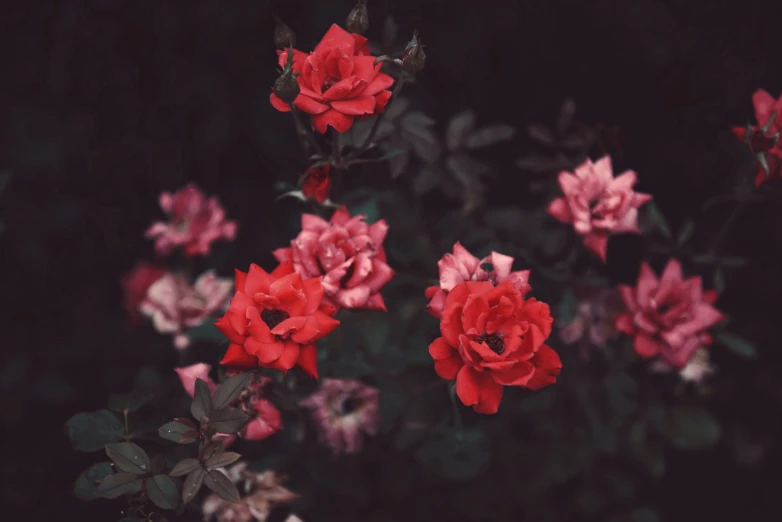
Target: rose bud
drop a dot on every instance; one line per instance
(284, 36)
(358, 18)
(413, 59)
(286, 87)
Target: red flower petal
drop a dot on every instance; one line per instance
(237, 357)
(308, 360)
(547, 367)
(468, 386)
(361, 105)
(340, 122)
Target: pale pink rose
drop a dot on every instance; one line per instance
(343, 411)
(348, 253)
(698, 367)
(195, 223)
(260, 493)
(597, 204)
(175, 306)
(462, 266)
(668, 317)
(265, 419)
(593, 324)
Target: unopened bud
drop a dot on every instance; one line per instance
(284, 36)
(286, 87)
(414, 59)
(358, 18)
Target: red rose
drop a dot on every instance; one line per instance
(274, 320)
(492, 337)
(317, 184)
(338, 81)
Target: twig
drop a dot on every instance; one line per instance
(304, 135)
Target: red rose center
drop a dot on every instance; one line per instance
(328, 83)
(273, 317)
(494, 342)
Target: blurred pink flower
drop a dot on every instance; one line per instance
(668, 317)
(696, 370)
(462, 266)
(260, 493)
(348, 253)
(135, 285)
(195, 222)
(344, 410)
(174, 305)
(593, 324)
(597, 204)
(265, 419)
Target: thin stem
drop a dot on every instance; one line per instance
(305, 135)
(457, 414)
(127, 425)
(376, 125)
(337, 162)
(727, 226)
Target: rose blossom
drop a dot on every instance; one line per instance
(768, 113)
(174, 305)
(696, 370)
(344, 410)
(348, 253)
(260, 493)
(136, 284)
(274, 320)
(317, 184)
(597, 204)
(195, 222)
(338, 81)
(462, 266)
(668, 316)
(593, 324)
(774, 162)
(265, 419)
(492, 337)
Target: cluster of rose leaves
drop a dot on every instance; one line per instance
(492, 334)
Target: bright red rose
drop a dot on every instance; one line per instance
(317, 184)
(338, 81)
(492, 337)
(274, 320)
(668, 317)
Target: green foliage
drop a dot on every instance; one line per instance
(92, 431)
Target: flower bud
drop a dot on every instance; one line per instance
(358, 18)
(413, 59)
(283, 35)
(286, 87)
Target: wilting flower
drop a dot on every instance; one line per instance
(260, 493)
(274, 320)
(338, 81)
(317, 184)
(136, 284)
(492, 337)
(348, 253)
(195, 222)
(462, 266)
(593, 324)
(174, 305)
(343, 411)
(597, 204)
(265, 419)
(668, 317)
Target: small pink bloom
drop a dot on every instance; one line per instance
(174, 305)
(668, 317)
(265, 419)
(348, 253)
(195, 222)
(260, 494)
(462, 266)
(768, 114)
(593, 324)
(597, 204)
(344, 410)
(135, 285)
(698, 367)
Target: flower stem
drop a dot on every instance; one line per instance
(457, 415)
(305, 136)
(727, 226)
(376, 125)
(337, 163)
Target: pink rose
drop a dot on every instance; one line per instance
(348, 253)
(174, 305)
(462, 266)
(668, 317)
(196, 222)
(593, 324)
(597, 204)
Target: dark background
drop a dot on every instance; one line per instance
(106, 103)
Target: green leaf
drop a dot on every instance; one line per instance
(737, 344)
(205, 331)
(92, 431)
(369, 208)
(119, 484)
(212, 449)
(185, 466)
(733, 261)
(121, 402)
(181, 431)
(229, 420)
(221, 485)
(692, 428)
(568, 306)
(162, 491)
(202, 401)
(657, 219)
(231, 389)
(719, 280)
(129, 457)
(86, 486)
(192, 484)
(221, 460)
(686, 232)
